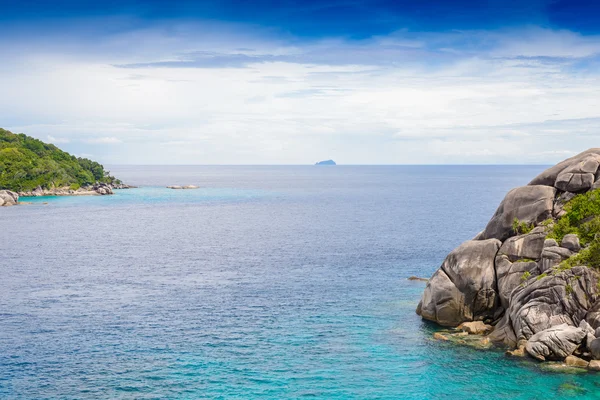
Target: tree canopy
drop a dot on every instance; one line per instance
(26, 163)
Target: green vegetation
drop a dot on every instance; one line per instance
(525, 260)
(582, 217)
(568, 289)
(26, 163)
(526, 275)
(541, 276)
(521, 227)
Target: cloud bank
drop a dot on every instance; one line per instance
(210, 92)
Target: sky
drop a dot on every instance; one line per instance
(298, 81)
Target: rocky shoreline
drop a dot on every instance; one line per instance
(530, 278)
(10, 198)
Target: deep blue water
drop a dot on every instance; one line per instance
(268, 282)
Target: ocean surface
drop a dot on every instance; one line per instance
(266, 283)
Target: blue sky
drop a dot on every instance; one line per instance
(292, 82)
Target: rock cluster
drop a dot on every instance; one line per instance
(182, 187)
(96, 189)
(8, 198)
(511, 280)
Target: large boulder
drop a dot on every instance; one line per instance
(464, 287)
(579, 176)
(555, 343)
(578, 163)
(528, 204)
(547, 301)
(8, 198)
(552, 256)
(571, 242)
(524, 246)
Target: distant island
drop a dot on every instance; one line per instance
(30, 167)
(326, 162)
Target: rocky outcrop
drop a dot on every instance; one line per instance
(90, 190)
(102, 189)
(542, 303)
(550, 176)
(512, 276)
(464, 288)
(555, 343)
(8, 198)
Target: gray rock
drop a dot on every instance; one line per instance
(510, 276)
(524, 246)
(550, 243)
(580, 175)
(549, 176)
(463, 288)
(555, 343)
(593, 317)
(574, 182)
(529, 204)
(102, 188)
(589, 338)
(571, 242)
(586, 327)
(8, 198)
(543, 303)
(595, 348)
(552, 256)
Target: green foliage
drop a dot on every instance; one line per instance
(568, 289)
(526, 275)
(541, 276)
(525, 260)
(582, 217)
(521, 227)
(26, 163)
(589, 256)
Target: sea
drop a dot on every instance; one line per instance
(267, 282)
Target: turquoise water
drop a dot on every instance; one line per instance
(266, 283)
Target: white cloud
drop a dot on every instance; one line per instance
(57, 140)
(104, 140)
(417, 98)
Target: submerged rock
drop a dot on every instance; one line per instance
(475, 328)
(594, 365)
(573, 361)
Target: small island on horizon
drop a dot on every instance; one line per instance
(326, 162)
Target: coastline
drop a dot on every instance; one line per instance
(98, 189)
(11, 198)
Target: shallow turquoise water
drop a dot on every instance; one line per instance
(269, 282)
